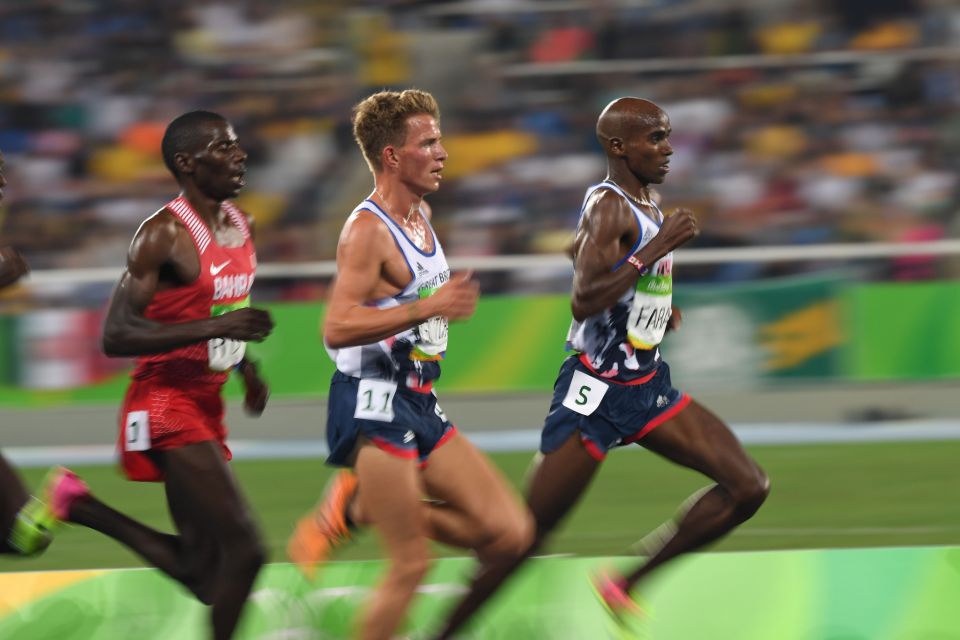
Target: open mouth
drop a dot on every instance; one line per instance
(238, 178)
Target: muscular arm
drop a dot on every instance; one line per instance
(607, 232)
(126, 331)
(361, 256)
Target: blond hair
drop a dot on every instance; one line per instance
(380, 120)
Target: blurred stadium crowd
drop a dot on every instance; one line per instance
(795, 121)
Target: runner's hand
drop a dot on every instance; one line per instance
(248, 324)
(457, 298)
(257, 391)
(677, 229)
(676, 318)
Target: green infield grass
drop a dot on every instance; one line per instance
(825, 495)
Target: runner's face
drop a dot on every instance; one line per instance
(648, 150)
(422, 156)
(220, 166)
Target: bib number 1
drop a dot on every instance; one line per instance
(136, 436)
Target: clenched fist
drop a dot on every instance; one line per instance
(248, 324)
(677, 229)
(457, 299)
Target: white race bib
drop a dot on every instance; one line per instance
(650, 313)
(585, 393)
(432, 336)
(223, 354)
(375, 400)
(136, 435)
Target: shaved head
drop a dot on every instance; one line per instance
(623, 116)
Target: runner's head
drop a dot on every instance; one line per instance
(201, 147)
(635, 133)
(399, 134)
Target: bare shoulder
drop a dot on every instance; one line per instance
(607, 211)
(364, 229)
(154, 241)
(163, 227)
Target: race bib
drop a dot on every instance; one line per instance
(375, 400)
(585, 393)
(650, 313)
(223, 354)
(136, 435)
(431, 341)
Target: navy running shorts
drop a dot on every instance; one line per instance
(405, 423)
(608, 414)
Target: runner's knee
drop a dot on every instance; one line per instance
(512, 539)
(408, 572)
(245, 549)
(751, 493)
(247, 558)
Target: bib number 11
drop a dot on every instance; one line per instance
(375, 400)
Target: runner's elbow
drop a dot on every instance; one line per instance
(578, 309)
(112, 342)
(336, 335)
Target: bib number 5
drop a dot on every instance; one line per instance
(585, 393)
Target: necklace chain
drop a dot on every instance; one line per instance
(418, 231)
(642, 203)
(406, 218)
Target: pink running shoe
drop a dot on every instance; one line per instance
(611, 589)
(63, 488)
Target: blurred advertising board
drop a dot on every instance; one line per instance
(770, 332)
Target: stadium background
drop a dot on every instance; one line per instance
(797, 123)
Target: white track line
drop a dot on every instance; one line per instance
(529, 440)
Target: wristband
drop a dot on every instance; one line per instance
(634, 262)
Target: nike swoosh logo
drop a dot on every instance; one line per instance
(217, 268)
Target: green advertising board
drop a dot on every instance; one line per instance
(778, 330)
(904, 331)
(782, 329)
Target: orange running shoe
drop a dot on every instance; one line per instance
(325, 527)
